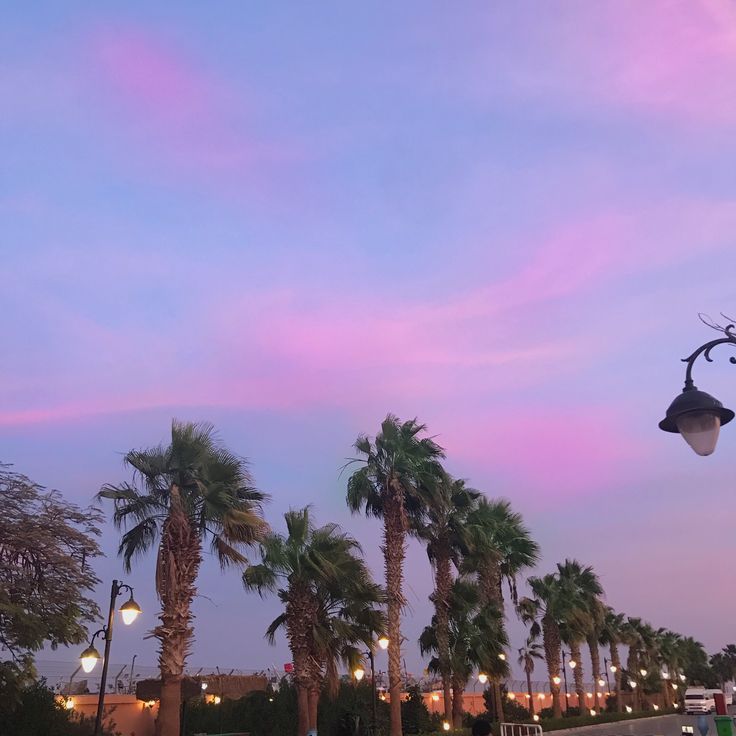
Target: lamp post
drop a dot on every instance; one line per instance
(358, 673)
(694, 414)
(608, 679)
(564, 674)
(89, 657)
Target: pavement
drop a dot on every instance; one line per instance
(670, 725)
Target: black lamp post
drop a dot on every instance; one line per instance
(694, 414)
(129, 610)
(358, 674)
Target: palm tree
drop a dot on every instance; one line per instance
(446, 535)
(635, 660)
(531, 651)
(595, 626)
(544, 609)
(181, 494)
(611, 635)
(328, 596)
(500, 547)
(395, 483)
(477, 636)
(583, 588)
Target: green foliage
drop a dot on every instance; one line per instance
(260, 714)
(415, 717)
(36, 711)
(46, 546)
(215, 490)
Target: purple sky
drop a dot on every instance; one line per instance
(291, 220)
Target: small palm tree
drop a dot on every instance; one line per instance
(396, 482)
(328, 596)
(528, 654)
(477, 636)
(445, 533)
(583, 589)
(611, 635)
(182, 494)
(500, 547)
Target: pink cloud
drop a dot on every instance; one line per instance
(548, 453)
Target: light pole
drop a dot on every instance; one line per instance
(358, 674)
(694, 414)
(608, 680)
(89, 657)
(564, 674)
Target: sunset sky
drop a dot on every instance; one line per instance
(290, 219)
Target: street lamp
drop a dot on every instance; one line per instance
(89, 657)
(482, 678)
(694, 414)
(359, 672)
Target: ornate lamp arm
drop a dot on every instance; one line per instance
(705, 351)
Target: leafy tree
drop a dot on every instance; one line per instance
(395, 483)
(445, 532)
(328, 596)
(181, 494)
(46, 546)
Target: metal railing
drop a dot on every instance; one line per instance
(521, 729)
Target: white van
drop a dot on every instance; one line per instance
(699, 700)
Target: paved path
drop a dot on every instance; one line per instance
(659, 726)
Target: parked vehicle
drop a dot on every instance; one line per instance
(699, 700)
(727, 693)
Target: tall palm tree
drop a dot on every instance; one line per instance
(611, 635)
(319, 575)
(531, 651)
(445, 533)
(583, 588)
(595, 626)
(182, 494)
(635, 660)
(396, 483)
(477, 636)
(500, 547)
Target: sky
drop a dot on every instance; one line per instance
(289, 220)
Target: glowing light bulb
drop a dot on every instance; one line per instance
(613, 668)
(643, 672)
(573, 664)
(383, 642)
(130, 611)
(358, 673)
(502, 657)
(632, 684)
(204, 686)
(629, 709)
(482, 678)
(69, 703)
(217, 700)
(435, 697)
(557, 679)
(656, 707)
(592, 712)
(89, 658)
(675, 686)
(535, 718)
(445, 726)
(601, 682)
(512, 696)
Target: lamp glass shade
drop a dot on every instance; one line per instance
(129, 611)
(601, 681)
(482, 678)
(700, 430)
(573, 664)
(383, 642)
(557, 679)
(358, 673)
(89, 659)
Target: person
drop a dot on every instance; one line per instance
(481, 728)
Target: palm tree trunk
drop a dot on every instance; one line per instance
(498, 699)
(179, 557)
(529, 690)
(298, 627)
(595, 661)
(441, 599)
(458, 688)
(633, 671)
(302, 708)
(616, 662)
(577, 674)
(394, 550)
(313, 706)
(552, 653)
